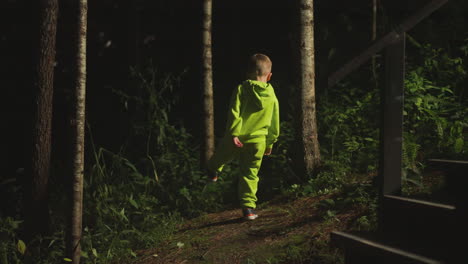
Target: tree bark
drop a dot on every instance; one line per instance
(134, 35)
(78, 129)
(374, 20)
(37, 212)
(208, 112)
(309, 121)
(373, 38)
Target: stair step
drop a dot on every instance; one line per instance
(422, 227)
(429, 207)
(456, 179)
(458, 168)
(362, 250)
(449, 163)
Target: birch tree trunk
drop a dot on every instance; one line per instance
(309, 121)
(208, 112)
(37, 212)
(78, 131)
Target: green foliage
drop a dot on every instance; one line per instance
(137, 196)
(348, 127)
(435, 113)
(11, 247)
(122, 212)
(160, 151)
(40, 250)
(435, 119)
(435, 116)
(411, 164)
(357, 196)
(333, 175)
(435, 123)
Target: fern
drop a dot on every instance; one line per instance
(411, 165)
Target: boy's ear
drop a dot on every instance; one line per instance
(269, 76)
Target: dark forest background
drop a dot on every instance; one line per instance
(169, 38)
(144, 63)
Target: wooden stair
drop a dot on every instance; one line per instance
(422, 227)
(456, 179)
(410, 230)
(364, 250)
(414, 230)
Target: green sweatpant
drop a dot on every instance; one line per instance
(250, 160)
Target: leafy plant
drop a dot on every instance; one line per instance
(11, 247)
(435, 96)
(348, 126)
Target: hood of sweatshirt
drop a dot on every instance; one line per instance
(259, 92)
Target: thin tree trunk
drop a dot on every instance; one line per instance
(374, 37)
(309, 121)
(78, 123)
(134, 35)
(374, 19)
(37, 215)
(208, 113)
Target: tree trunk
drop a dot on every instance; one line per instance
(374, 20)
(208, 113)
(373, 38)
(309, 121)
(134, 36)
(37, 212)
(78, 124)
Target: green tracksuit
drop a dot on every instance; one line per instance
(253, 116)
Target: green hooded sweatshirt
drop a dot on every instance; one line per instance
(254, 113)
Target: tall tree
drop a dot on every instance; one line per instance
(308, 110)
(208, 113)
(374, 37)
(134, 34)
(80, 9)
(37, 215)
(374, 20)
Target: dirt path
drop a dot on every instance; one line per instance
(285, 232)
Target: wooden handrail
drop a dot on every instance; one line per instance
(383, 42)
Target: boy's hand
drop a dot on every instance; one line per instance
(237, 142)
(267, 152)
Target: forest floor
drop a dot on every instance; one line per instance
(288, 230)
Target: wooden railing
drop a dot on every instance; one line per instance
(410, 230)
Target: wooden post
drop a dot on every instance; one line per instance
(392, 127)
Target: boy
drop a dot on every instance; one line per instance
(252, 128)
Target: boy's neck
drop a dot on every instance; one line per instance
(264, 78)
(261, 79)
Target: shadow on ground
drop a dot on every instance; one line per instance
(285, 232)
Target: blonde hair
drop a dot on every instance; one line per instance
(259, 65)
